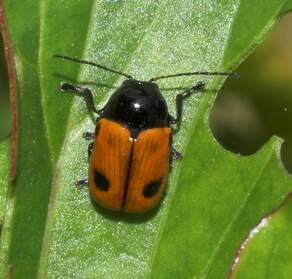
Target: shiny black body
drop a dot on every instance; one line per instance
(137, 105)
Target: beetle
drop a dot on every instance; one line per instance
(131, 149)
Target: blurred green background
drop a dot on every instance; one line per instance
(248, 110)
(257, 105)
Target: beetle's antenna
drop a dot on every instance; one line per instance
(92, 64)
(195, 73)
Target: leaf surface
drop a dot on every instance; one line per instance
(4, 159)
(266, 253)
(214, 197)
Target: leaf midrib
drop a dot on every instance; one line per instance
(51, 206)
(68, 128)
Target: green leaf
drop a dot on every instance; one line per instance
(4, 199)
(4, 159)
(267, 250)
(287, 7)
(214, 197)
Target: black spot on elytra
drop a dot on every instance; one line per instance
(100, 180)
(152, 188)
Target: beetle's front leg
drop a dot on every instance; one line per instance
(83, 91)
(180, 98)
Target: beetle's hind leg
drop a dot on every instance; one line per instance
(89, 149)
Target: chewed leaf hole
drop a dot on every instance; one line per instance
(257, 105)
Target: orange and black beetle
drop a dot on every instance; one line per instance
(132, 145)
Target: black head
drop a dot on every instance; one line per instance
(137, 105)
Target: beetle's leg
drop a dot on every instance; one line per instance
(88, 136)
(90, 147)
(179, 102)
(171, 119)
(83, 91)
(175, 155)
(83, 182)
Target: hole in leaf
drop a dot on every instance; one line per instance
(251, 109)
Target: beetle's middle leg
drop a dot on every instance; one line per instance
(88, 136)
(175, 155)
(84, 182)
(89, 149)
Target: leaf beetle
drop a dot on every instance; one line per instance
(131, 149)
